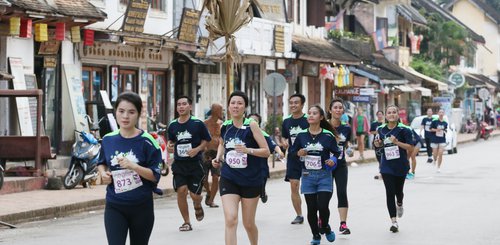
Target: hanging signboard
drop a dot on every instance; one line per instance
(73, 78)
(22, 103)
(273, 10)
(203, 42)
(189, 25)
(279, 39)
(346, 91)
(361, 98)
(135, 16)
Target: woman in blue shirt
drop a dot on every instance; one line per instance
(344, 133)
(242, 148)
(396, 141)
(314, 146)
(439, 129)
(130, 159)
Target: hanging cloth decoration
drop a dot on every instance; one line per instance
(41, 32)
(340, 77)
(26, 27)
(60, 31)
(75, 34)
(15, 26)
(347, 73)
(329, 73)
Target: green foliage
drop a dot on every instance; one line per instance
(427, 67)
(338, 34)
(269, 124)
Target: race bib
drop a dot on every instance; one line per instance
(313, 162)
(391, 152)
(292, 139)
(440, 133)
(236, 160)
(182, 149)
(125, 180)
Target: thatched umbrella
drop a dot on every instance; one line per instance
(225, 18)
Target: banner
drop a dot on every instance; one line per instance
(379, 38)
(22, 103)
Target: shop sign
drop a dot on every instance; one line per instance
(310, 69)
(347, 91)
(457, 79)
(135, 16)
(367, 91)
(118, 52)
(22, 103)
(483, 93)
(189, 25)
(273, 10)
(203, 43)
(361, 98)
(49, 62)
(50, 47)
(279, 39)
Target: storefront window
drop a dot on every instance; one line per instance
(128, 81)
(252, 84)
(49, 77)
(156, 103)
(93, 81)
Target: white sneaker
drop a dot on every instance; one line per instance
(394, 227)
(438, 170)
(399, 211)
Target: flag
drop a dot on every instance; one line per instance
(380, 39)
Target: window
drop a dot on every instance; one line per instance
(252, 85)
(93, 79)
(156, 92)
(290, 10)
(128, 81)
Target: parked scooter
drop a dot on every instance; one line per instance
(159, 136)
(85, 154)
(484, 131)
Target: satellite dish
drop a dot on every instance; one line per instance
(274, 84)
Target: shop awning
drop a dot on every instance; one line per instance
(404, 88)
(322, 51)
(474, 81)
(487, 81)
(411, 14)
(194, 60)
(441, 85)
(364, 73)
(425, 91)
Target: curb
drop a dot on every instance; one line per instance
(98, 204)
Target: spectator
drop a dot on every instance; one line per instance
(361, 127)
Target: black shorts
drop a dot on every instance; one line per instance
(208, 156)
(188, 173)
(228, 187)
(293, 168)
(360, 133)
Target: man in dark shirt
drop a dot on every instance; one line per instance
(426, 125)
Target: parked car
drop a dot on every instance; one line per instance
(451, 135)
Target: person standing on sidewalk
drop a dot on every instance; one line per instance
(213, 124)
(360, 124)
(130, 160)
(292, 125)
(344, 133)
(315, 145)
(241, 152)
(373, 131)
(396, 142)
(187, 138)
(439, 129)
(426, 126)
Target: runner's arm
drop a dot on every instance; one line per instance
(263, 150)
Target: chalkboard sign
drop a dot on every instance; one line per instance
(31, 83)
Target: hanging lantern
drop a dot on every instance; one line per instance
(15, 26)
(75, 34)
(60, 31)
(41, 32)
(26, 25)
(88, 37)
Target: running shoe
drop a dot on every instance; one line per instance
(399, 211)
(329, 234)
(343, 230)
(263, 198)
(316, 240)
(298, 220)
(429, 160)
(394, 227)
(410, 176)
(376, 176)
(438, 170)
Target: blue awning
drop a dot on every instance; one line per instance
(364, 73)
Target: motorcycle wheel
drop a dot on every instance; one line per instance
(1, 179)
(73, 178)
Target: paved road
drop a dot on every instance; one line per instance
(457, 206)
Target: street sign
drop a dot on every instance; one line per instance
(274, 84)
(457, 79)
(367, 91)
(484, 93)
(361, 98)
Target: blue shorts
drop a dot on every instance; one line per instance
(293, 168)
(314, 181)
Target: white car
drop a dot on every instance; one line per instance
(451, 135)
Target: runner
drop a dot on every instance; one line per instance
(130, 160)
(373, 130)
(426, 126)
(187, 138)
(414, 153)
(213, 124)
(274, 149)
(344, 132)
(439, 129)
(360, 124)
(243, 147)
(315, 145)
(292, 125)
(396, 140)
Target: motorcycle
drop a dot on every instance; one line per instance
(85, 154)
(158, 135)
(484, 131)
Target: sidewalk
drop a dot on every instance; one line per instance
(46, 204)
